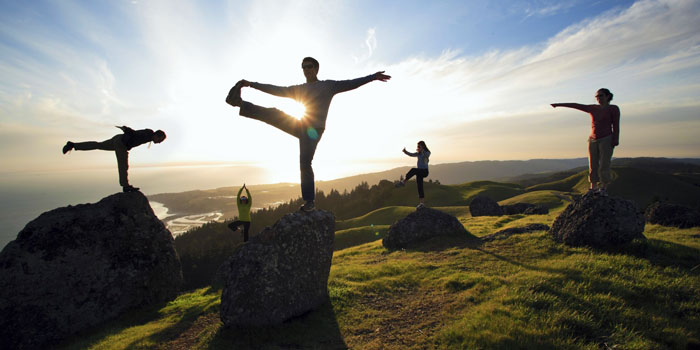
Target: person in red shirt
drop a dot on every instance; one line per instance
(605, 135)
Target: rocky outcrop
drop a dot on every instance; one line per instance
(422, 224)
(503, 234)
(675, 215)
(280, 273)
(484, 206)
(75, 267)
(598, 221)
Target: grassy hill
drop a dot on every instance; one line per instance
(524, 292)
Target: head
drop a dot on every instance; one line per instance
(422, 147)
(603, 96)
(158, 136)
(244, 199)
(310, 67)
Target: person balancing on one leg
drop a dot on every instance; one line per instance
(605, 136)
(316, 96)
(244, 203)
(120, 144)
(421, 170)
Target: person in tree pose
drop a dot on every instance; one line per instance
(420, 171)
(605, 136)
(120, 144)
(316, 96)
(244, 204)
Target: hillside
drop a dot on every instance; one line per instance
(522, 292)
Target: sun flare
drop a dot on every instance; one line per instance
(293, 108)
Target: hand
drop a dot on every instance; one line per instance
(404, 150)
(244, 185)
(243, 83)
(554, 105)
(381, 76)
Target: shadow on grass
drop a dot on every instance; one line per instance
(661, 253)
(440, 243)
(316, 329)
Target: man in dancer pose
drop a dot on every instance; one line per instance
(316, 96)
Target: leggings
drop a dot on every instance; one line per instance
(420, 174)
(246, 226)
(114, 144)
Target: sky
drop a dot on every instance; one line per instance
(473, 79)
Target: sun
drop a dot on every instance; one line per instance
(293, 108)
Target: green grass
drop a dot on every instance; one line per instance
(524, 292)
(548, 198)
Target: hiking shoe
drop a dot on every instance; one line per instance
(234, 96)
(602, 192)
(129, 188)
(399, 184)
(420, 205)
(68, 147)
(308, 206)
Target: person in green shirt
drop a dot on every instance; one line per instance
(244, 203)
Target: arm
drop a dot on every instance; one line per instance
(578, 106)
(409, 153)
(281, 91)
(238, 196)
(616, 127)
(250, 198)
(346, 85)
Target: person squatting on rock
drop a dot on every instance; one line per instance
(605, 136)
(420, 171)
(316, 96)
(120, 144)
(244, 204)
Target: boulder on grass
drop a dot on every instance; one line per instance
(420, 225)
(484, 206)
(675, 215)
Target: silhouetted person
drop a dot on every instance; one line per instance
(420, 171)
(120, 144)
(316, 96)
(244, 204)
(605, 135)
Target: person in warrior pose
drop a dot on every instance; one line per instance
(120, 144)
(316, 96)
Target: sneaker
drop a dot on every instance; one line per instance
(399, 184)
(68, 147)
(420, 205)
(129, 188)
(234, 96)
(603, 192)
(232, 227)
(308, 206)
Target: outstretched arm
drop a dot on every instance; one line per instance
(281, 91)
(346, 85)
(578, 106)
(409, 153)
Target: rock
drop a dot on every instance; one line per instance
(484, 206)
(675, 215)
(598, 221)
(517, 208)
(536, 210)
(422, 224)
(78, 266)
(503, 234)
(281, 272)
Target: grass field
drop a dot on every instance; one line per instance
(523, 292)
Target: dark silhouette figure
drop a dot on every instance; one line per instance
(420, 172)
(316, 96)
(244, 204)
(120, 144)
(605, 135)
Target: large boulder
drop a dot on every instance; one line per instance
(422, 224)
(280, 273)
(669, 214)
(484, 206)
(598, 221)
(77, 266)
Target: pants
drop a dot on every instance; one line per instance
(307, 135)
(600, 153)
(420, 174)
(246, 226)
(114, 144)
